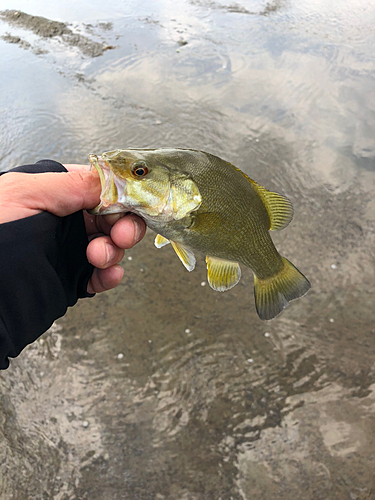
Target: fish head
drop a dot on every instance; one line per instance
(138, 181)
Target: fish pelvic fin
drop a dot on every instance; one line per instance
(273, 294)
(279, 208)
(222, 274)
(185, 255)
(160, 241)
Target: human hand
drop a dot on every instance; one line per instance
(23, 195)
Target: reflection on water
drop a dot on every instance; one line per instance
(164, 388)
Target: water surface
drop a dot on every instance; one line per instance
(163, 388)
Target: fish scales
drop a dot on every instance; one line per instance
(199, 202)
(226, 235)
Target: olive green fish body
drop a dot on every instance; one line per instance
(233, 225)
(197, 201)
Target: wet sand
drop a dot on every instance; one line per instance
(163, 388)
(47, 28)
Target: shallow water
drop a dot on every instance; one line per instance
(163, 388)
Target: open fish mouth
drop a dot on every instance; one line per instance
(109, 195)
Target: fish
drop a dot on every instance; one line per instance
(196, 201)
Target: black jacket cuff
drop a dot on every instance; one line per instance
(43, 271)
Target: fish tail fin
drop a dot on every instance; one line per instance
(273, 294)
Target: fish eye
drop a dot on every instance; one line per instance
(140, 170)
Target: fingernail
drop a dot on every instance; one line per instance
(111, 253)
(137, 230)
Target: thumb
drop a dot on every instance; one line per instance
(61, 193)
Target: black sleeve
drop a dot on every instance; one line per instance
(43, 271)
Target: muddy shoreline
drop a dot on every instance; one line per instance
(47, 29)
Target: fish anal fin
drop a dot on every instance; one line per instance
(160, 241)
(185, 255)
(222, 274)
(272, 295)
(279, 208)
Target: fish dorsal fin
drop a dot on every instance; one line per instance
(279, 208)
(160, 241)
(222, 274)
(185, 255)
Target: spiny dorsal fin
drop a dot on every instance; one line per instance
(160, 241)
(185, 255)
(279, 208)
(222, 274)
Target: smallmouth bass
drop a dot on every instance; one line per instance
(197, 201)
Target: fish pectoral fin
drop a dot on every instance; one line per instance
(206, 223)
(222, 274)
(160, 241)
(185, 255)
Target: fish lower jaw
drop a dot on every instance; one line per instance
(105, 209)
(119, 208)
